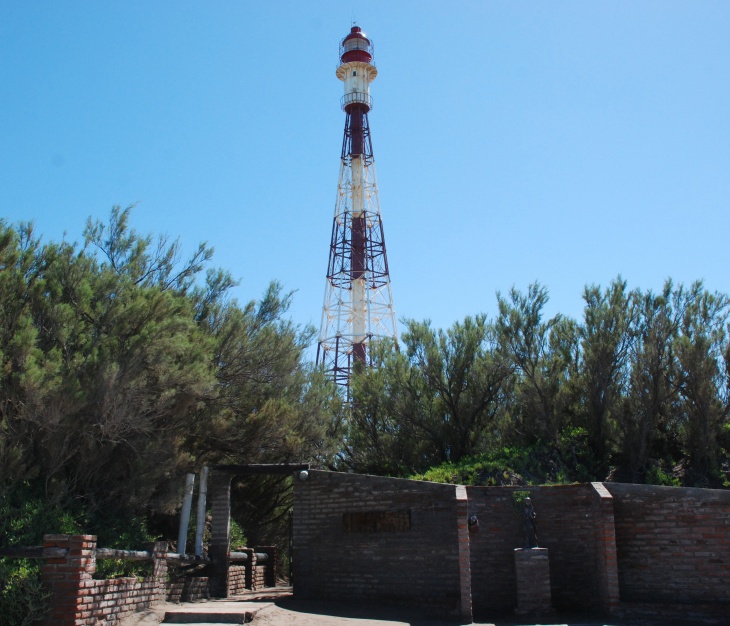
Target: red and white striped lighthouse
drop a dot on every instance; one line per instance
(358, 304)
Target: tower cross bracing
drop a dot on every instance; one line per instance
(358, 303)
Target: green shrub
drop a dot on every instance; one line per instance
(130, 533)
(121, 568)
(518, 497)
(238, 538)
(566, 461)
(655, 475)
(22, 597)
(25, 516)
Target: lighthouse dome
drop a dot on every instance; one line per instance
(356, 47)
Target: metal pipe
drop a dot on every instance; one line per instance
(261, 557)
(33, 552)
(185, 513)
(186, 558)
(126, 555)
(200, 515)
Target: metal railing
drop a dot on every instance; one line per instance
(356, 97)
(261, 557)
(39, 552)
(33, 552)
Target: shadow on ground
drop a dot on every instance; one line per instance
(414, 617)
(362, 611)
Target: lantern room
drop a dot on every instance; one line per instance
(356, 47)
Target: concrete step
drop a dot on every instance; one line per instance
(205, 619)
(214, 613)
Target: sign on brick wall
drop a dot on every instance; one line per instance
(376, 521)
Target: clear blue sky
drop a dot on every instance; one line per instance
(564, 142)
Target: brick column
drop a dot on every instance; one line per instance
(271, 564)
(220, 539)
(462, 526)
(249, 567)
(65, 577)
(606, 559)
(532, 569)
(303, 530)
(159, 569)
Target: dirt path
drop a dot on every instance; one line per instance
(292, 612)
(280, 608)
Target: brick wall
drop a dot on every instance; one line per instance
(637, 550)
(259, 577)
(77, 599)
(673, 544)
(187, 589)
(566, 526)
(236, 579)
(253, 574)
(241, 579)
(664, 550)
(111, 600)
(381, 539)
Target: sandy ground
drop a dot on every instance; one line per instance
(289, 612)
(282, 609)
(286, 611)
(292, 612)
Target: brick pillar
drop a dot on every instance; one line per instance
(303, 535)
(462, 526)
(271, 564)
(606, 559)
(159, 569)
(220, 539)
(249, 567)
(532, 569)
(65, 576)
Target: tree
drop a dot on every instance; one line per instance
(702, 357)
(432, 402)
(120, 371)
(543, 356)
(646, 424)
(607, 338)
(21, 365)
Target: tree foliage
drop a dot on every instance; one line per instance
(638, 388)
(123, 366)
(432, 402)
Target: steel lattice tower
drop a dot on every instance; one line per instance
(358, 304)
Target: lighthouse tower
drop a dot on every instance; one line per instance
(358, 305)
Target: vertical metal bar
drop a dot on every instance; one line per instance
(182, 535)
(200, 514)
